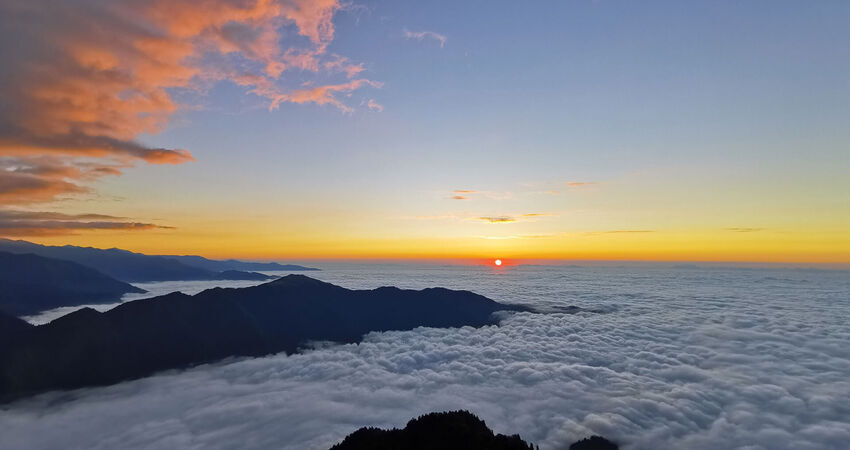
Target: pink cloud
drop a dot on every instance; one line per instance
(84, 78)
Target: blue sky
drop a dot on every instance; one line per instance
(689, 117)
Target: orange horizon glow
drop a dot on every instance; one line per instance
(445, 255)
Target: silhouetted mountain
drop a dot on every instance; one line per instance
(240, 275)
(594, 443)
(233, 264)
(456, 430)
(138, 338)
(32, 283)
(120, 264)
(10, 326)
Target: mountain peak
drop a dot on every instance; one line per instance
(296, 280)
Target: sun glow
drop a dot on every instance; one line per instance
(498, 262)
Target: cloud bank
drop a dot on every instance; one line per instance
(714, 359)
(81, 80)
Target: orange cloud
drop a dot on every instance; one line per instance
(461, 191)
(41, 223)
(24, 188)
(83, 79)
(459, 197)
(580, 183)
(322, 95)
(343, 65)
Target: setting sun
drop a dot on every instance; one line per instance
(498, 262)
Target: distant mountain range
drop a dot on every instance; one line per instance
(234, 264)
(137, 267)
(138, 338)
(455, 430)
(31, 283)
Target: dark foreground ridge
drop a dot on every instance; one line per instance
(30, 284)
(456, 430)
(137, 267)
(594, 443)
(139, 338)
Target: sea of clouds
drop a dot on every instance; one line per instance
(673, 358)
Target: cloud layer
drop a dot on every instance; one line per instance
(709, 359)
(81, 80)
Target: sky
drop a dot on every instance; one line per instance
(567, 130)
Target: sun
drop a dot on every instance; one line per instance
(498, 262)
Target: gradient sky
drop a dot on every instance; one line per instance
(656, 130)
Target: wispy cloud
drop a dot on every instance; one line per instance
(423, 35)
(463, 194)
(619, 232)
(44, 223)
(574, 184)
(504, 218)
(519, 236)
(497, 219)
(745, 230)
(374, 106)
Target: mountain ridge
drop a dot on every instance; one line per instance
(129, 266)
(30, 284)
(141, 337)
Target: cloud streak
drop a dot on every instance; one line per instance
(620, 232)
(16, 223)
(498, 219)
(512, 218)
